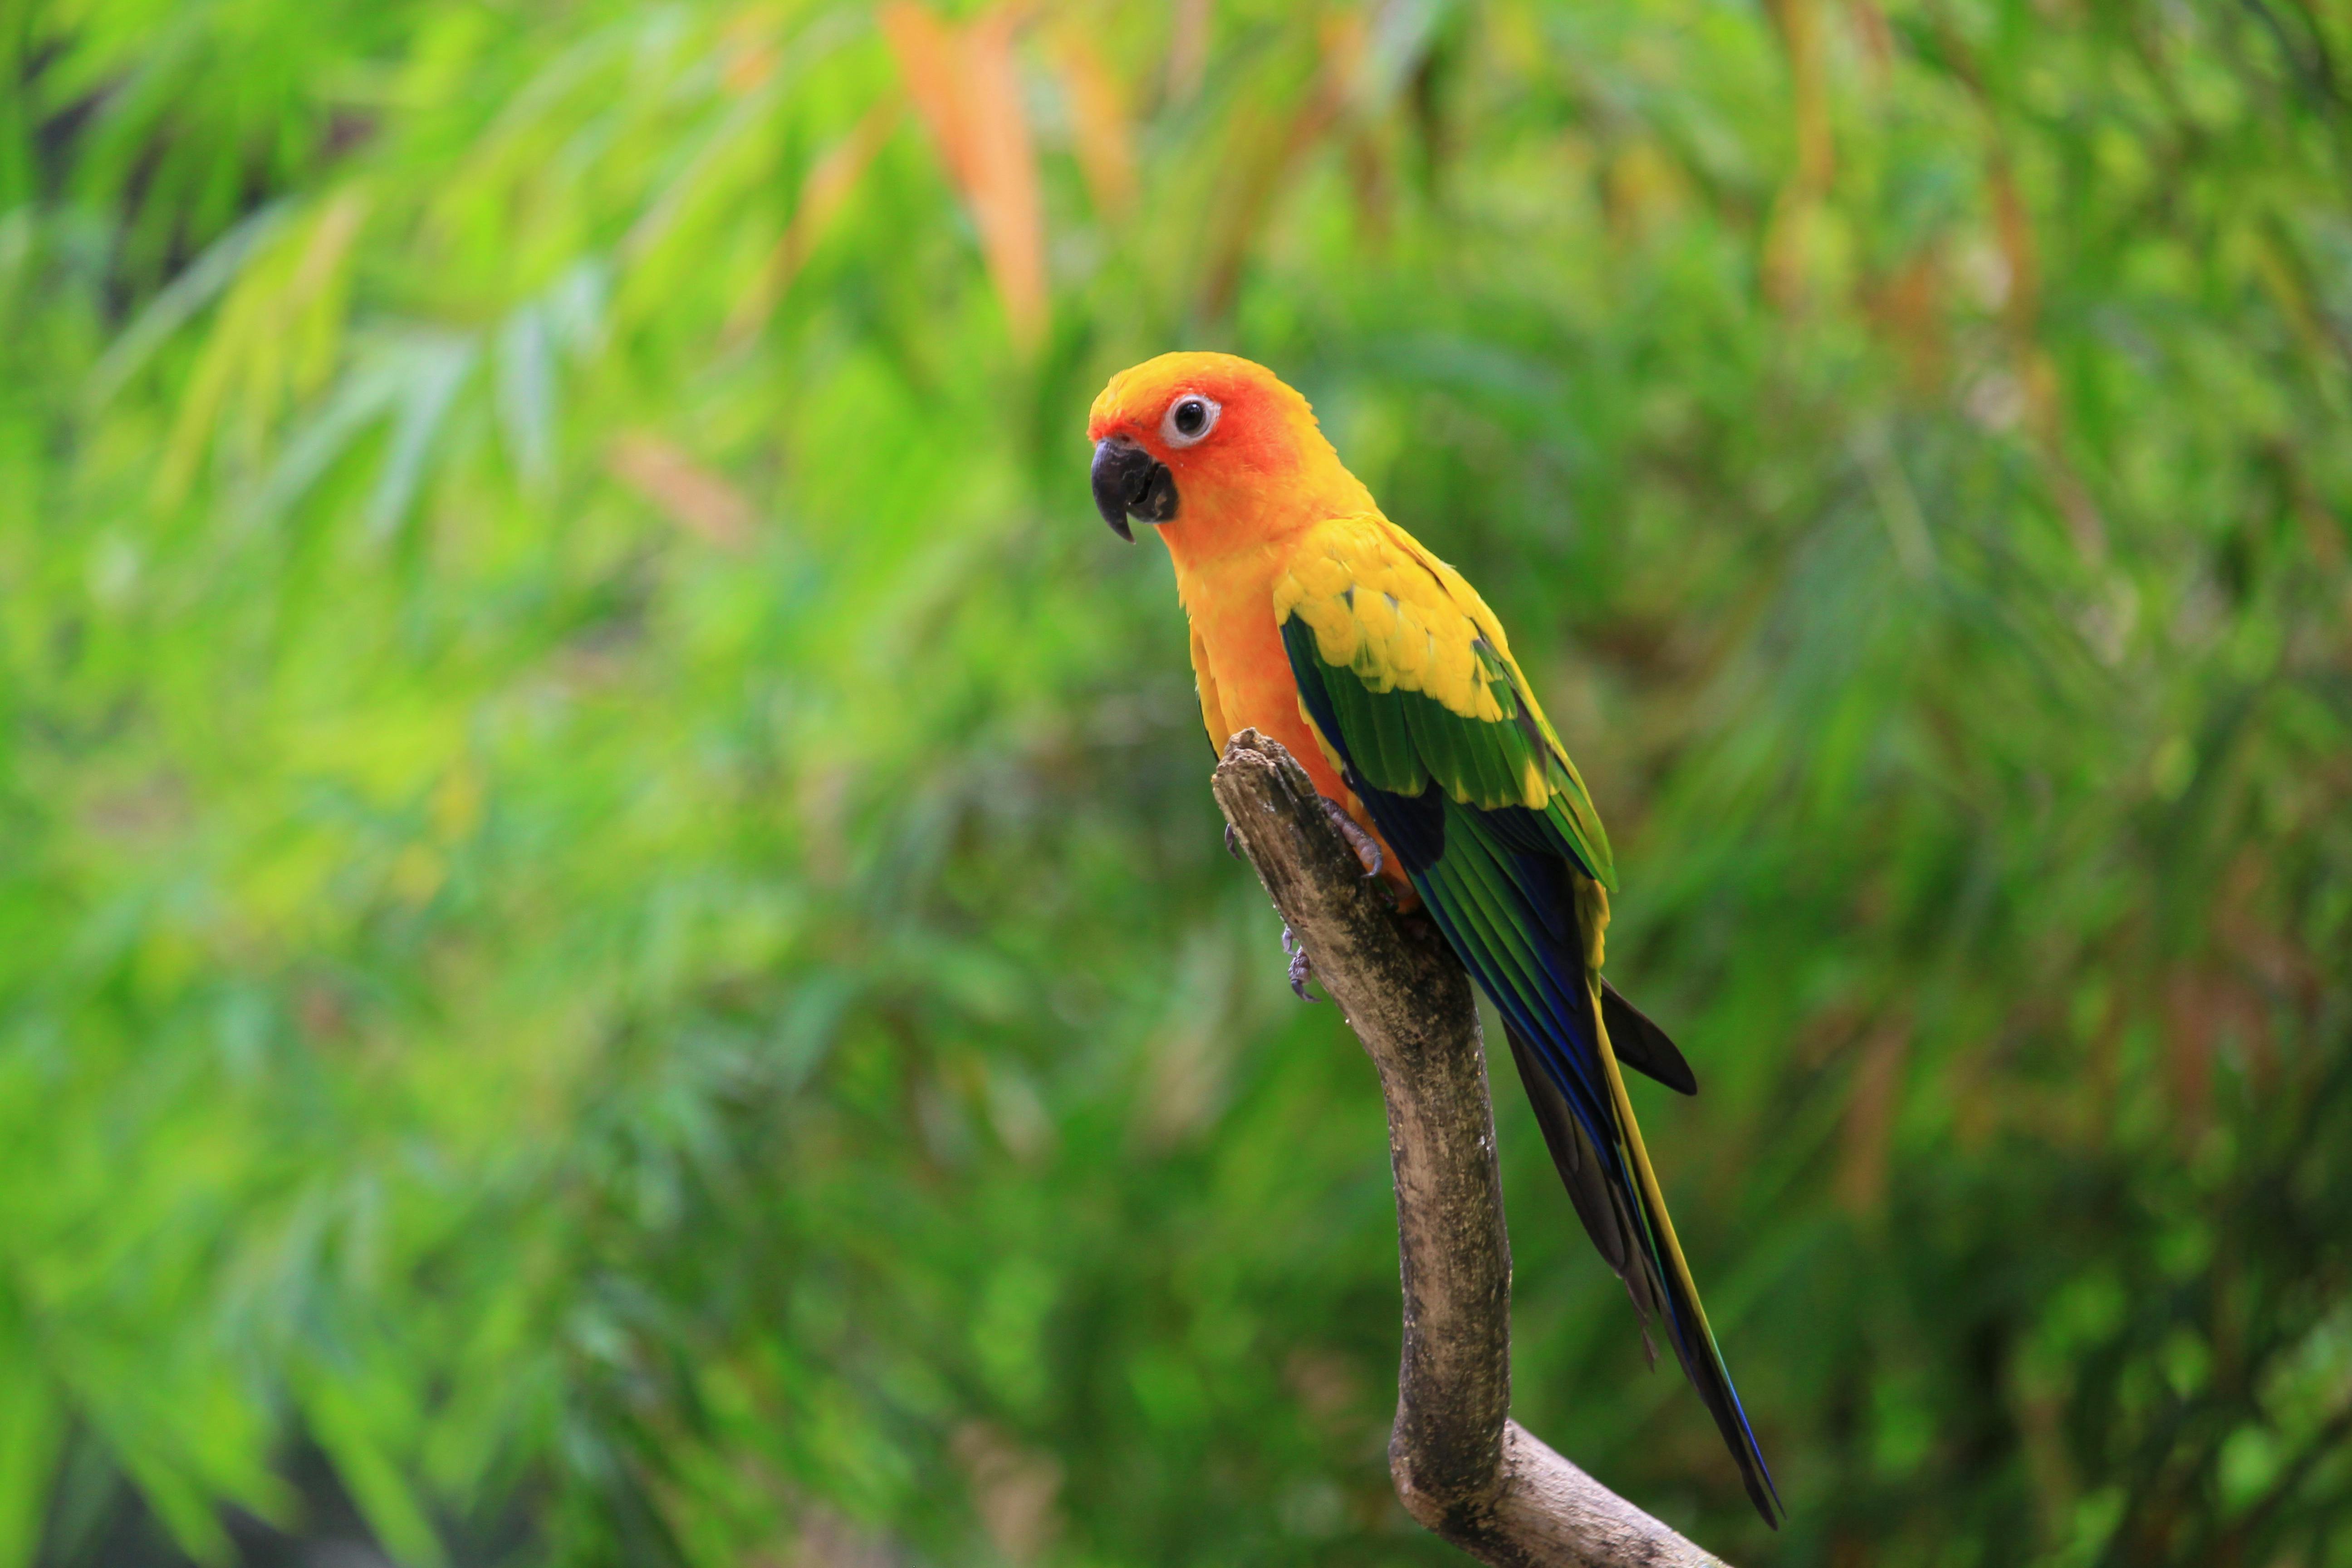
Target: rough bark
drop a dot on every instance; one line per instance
(1462, 1466)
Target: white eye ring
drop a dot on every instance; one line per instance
(1188, 419)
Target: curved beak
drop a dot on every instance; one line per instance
(1131, 482)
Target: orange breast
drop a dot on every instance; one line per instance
(1231, 604)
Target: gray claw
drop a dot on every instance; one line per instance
(1367, 848)
(1299, 971)
(1232, 842)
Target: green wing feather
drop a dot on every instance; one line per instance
(1437, 694)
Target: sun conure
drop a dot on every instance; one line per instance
(1320, 623)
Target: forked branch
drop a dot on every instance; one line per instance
(1462, 1466)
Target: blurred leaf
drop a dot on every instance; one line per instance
(1101, 129)
(965, 83)
(690, 495)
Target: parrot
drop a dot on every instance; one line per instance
(1320, 623)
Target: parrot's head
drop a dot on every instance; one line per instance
(1214, 449)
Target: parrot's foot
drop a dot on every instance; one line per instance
(1367, 848)
(1299, 971)
(1232, 842)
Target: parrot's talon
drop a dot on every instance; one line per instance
(1232, 842)
(1299, 971)
(1367, 848)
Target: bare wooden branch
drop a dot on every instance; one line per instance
(1461, 1465)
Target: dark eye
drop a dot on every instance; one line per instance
(1190, 417)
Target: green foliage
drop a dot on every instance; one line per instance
(613, 948)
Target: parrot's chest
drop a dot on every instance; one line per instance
(1238, 653)
(1251, 670)
(1246, 683)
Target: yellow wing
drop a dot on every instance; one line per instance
(1405, 672)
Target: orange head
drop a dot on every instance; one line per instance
(1217, 452)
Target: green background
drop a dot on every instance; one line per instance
(613, 947)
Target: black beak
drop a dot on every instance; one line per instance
(1131, 482)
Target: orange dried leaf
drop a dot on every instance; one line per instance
(823, 195)
(1870, 1111)
(1188, 50)
(682, 490)
(1266, 143)
(926, 51)
(1099, 120)
(1003, 190)
(966, 85)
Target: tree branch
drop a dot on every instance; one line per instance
(1462, 1466)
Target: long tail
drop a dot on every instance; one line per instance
(1517, 918)
(1628, 1222)
(1701, 1357)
